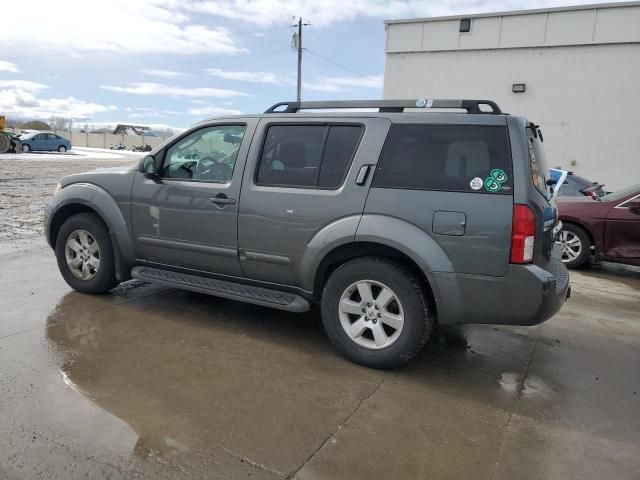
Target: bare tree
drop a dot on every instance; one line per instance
(60, 123)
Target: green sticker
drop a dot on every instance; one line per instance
(498, 175)
(491, 185)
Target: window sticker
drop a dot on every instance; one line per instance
(493, 183)
(499, 175)
(476, 183)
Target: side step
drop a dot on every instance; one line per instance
(221, 288)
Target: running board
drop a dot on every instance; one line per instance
(221, 288)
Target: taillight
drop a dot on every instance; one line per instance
(523, 234)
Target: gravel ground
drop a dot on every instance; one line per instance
(28, 180)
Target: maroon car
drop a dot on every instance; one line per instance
(608, 227)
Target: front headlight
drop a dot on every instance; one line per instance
(58, 188)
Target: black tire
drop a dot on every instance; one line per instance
(62, 149)
(26, 148)
(105, 278)
(419, 318)
(5, 143)
(585, 249)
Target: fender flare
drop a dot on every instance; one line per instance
(97, 199)
(331, 236)
(392, 232)
(407, 238)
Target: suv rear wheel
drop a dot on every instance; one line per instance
(376, 312)
(85, 255)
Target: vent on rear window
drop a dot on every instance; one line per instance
(458, 158)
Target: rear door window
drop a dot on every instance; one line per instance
(458, 158)
(312, 156)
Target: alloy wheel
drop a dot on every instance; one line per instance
(82, 254)
(571, 246)
(371, 314)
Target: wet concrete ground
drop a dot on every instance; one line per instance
(152, 382)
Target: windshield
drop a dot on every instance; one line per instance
(620, 194)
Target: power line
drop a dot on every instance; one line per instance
(348, 69)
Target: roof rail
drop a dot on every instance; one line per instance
(471, 106)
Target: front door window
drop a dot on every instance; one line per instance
(206, 155)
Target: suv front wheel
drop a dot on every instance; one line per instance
(376, 312)
(85, 255)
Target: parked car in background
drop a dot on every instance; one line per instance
(577, 186)
(44, 141)
(608, 227)
(141, 148)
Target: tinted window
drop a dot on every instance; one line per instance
(307, 155)
(539, 167)
(570, 188)
(338, 152)
(459, 158)
(207, 155)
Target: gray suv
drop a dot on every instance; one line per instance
(394, 221)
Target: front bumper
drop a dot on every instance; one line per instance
(526, 295)
(46, 219)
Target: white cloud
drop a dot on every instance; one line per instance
(164, 73)
(169, 90)
(339, 84)
(270, 12)
(243, 76)
(20, 98)
(324, 84)
(213, 111)
(119, 26)
(8, 67)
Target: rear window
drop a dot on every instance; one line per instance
(316, 156)
(457, 158)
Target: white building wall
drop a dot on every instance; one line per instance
(586, 97)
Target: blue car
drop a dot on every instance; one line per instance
(44, 141)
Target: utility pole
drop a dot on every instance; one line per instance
(297, 42)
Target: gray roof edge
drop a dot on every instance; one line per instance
(591, 6)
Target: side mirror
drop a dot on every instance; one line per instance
(634, 206)
(148, 166)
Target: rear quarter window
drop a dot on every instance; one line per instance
(538, 163)
(458, 158)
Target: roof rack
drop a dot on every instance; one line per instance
(471, 106)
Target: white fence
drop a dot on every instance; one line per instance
(104, 140)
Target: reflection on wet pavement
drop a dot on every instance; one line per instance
(152, 382)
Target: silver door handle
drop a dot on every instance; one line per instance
(361, 179)
(223, 200)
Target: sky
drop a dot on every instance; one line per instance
(174, 62)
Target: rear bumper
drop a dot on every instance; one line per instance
(526, 295)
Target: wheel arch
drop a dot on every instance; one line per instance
(89, 198)
(65, 212)
(349, 251)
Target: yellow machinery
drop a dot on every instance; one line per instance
(8, 142)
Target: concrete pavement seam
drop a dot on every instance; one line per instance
(330, 436)
(515, 402)
(250, 461)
